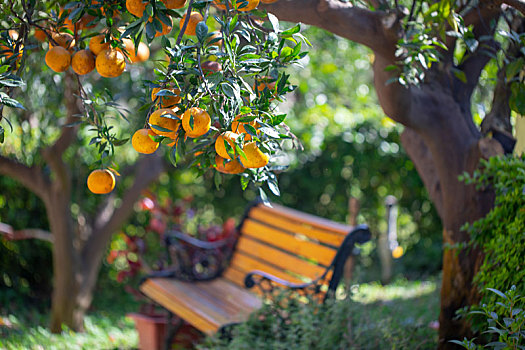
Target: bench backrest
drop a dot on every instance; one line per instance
(286, 243)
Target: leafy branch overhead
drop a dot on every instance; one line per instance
(223, 71)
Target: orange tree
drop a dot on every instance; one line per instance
(429, 60)
(208, 100)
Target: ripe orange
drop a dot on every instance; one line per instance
(96, 45)
(165, 28)
(210, 67)
(220, 147)
(201, 122)
(142, 142)
(255, 158)
(174, 4)
(136, 7)
(66, 40)
(40, 35)
(83, 62)
(58, 59)
(250, 5)
(142, 54)
(264, 83)
(214, 36)
(195, 18)
(397, 252)
(164, 118)
(228, 167)
(238, 127)
(110, 63)
(101, 181)
(166, 101)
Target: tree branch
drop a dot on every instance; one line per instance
(109, 218)
(517, 4)
(377, 30)
(16, 235)
(418, 151)
(30, 177)
(53, 154)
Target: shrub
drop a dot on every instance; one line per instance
(508, 325)
(501, 233)
(338, 324)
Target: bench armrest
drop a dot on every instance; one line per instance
(268, 283)
(195, 260)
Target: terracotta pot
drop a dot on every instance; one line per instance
(152, 332)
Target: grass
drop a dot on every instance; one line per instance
(397, 315)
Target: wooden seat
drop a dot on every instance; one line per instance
(276, 246)
(207, 306)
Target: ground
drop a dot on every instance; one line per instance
(391, 310)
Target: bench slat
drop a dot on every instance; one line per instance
(279, 258)
(300, 217)
(206, 305)
(235, 276)
(272, 236)
(247, 264)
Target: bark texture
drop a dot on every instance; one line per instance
(440, 135)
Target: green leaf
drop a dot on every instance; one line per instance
(245, 181)
(273, 186)
(2, 133)
(201, 31)
(8, 101)
(274, 21)
(264, 197)
(291, 31)
(517, 97)
(460, 75)
(514, 67)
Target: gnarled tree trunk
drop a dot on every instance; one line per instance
(440, 135)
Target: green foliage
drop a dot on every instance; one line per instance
(392, 317)
(25, 265)
(500, 234)
(506, 322)
(106, 327)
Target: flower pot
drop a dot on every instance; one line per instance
(152, 332)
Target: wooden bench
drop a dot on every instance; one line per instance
(276, 246)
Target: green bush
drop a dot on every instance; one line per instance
(506, 322)
(393, 317)
(501, 233)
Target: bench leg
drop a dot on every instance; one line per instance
(171, 330)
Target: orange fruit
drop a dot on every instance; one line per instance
(228, 167)
(213, 36)
(238, 127)
(40, 35)
(210, 67)
(110, 63)
(143, 143)
(165, 28)
(101, 181)
(83, 62)
(136, 7)
(220, 147)
(255, 158)
(9, 52)
(164, 118)
(242, 5)
(58, 59)
(264, 83)
(195, 18)
(166, 101)
(66, 40)
(96, 45)
(174, 4)
(201, 122)
(142, 54)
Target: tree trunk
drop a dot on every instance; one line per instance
(64, 308)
